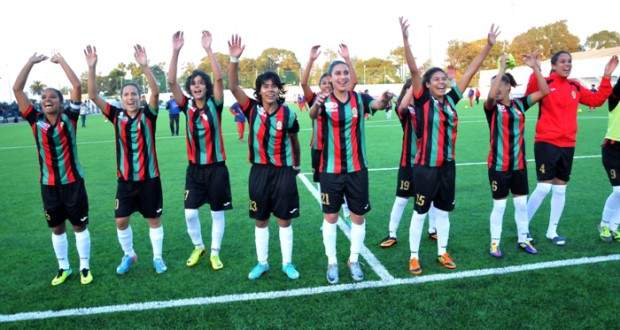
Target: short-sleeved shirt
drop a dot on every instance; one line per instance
(343, 137)
(317, 131)
(268, 140)
(56, 145)
(173, 107)
(136, 156)
(436, 127)
(236, 109)
(203, 137)
(409, 147)
(506, 124)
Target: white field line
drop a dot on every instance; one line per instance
(374, 263)
(368, 125)
(301, 292)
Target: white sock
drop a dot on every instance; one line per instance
(497, 216)
(345, 208)
(125, 238)
(329, 241)
(536, 198)
(397, 212)
(415, 233)
(286, 244)
(261, 239)
(443, 231)
(523, 229)
(611, 211)
(558, 197)
(157, 240)
(217, 231)
(432, 227)
(82, 243)
(61, 246)
(192, 220)
(358, 233)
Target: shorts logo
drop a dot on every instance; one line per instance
(83, 219)
(279, 125)
(227, 203)
(292, 211)
(158, 210)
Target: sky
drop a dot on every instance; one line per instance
(114, 26)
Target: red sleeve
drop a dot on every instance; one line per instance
(183, 103)
(532, 85)
(247, 106)
(30, 115)
(309, 97)
(595, 99)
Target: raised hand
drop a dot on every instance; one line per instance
(56, 58)
(314, 52)
(404, 27)
(37, 58)
(177, 41)
(320, 99)
(611, 65)
(532, 59)
(140, 55)
(451, 72)
(91, 55)
(502, 62)
(492, 36)
(343, 51)
(235, 48)
(206, 40)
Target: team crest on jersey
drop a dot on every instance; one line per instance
(501, 108)
(279, 125)
(331, 107)
(354, 110)
(573, 94)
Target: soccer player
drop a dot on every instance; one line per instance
(326, 88)
(235, 110)
(506, 161)
(434, 169)
(556, 131)
(611, 161)
(206, 179)
(343, 166)
(139, 186)
(62, 180)
(274, 154)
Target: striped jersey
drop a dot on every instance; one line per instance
(436, 127)
(409, 147)
(507, 123)
(344, 149)
(268, 140)
(136, 158)
(317, 132)
(56, 145)
(203, 128)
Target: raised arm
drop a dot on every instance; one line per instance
(490, 101)
(140, 56)
(218, 84)
(382, 102)
(235, 49)
(532, 60)
(20, 83)
(76, 87)
(596, 99)
(416, 76)
(91, 59)
(177, 44)
(344, 52)
(477, 62)
(405, 101)
(314, 54)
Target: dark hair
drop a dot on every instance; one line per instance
(325, 75)
(58, 93)
(557, 55)
(428, 74)
(333, 64)
(131, 84)
(509, 79)
(205, 77)
(403, 91)
(262, 79)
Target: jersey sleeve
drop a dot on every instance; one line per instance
(595, 99)
(248, 106)
(150, 113)
(526, 101)
(455, 95)
(112, 112)
(184, 104)
(366, 101)
(219, 104)
(30, 115)
(73, 110)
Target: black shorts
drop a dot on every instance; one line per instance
(404, 182)
(611, 160)
(273, 190)
(434, 185)
(553, 161)
(67, 201)
(316, 163)
(142, 196)
(353, 186)
(208, 184)
(502, 182)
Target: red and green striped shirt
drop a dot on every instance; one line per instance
(507, 124)
(317, 131)
(436, 127)
(344, 149)
(269, 141)
(56, 145)
(409, 147)
(136, 158)
(203, 132)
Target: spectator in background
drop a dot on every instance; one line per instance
(83, 112)
(477, 96)
(236, 111)
(301, 103)
(173, 111)
(470, 96)
(593, 90)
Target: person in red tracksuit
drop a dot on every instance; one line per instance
(556, 131)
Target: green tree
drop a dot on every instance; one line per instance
(247, 72)
(282, 61)
(222, 59)
(37, 87)
(550, 39)
(376, 71)
(461, 54)
(603, 39)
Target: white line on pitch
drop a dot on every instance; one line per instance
(203, 301)
(374, 263)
